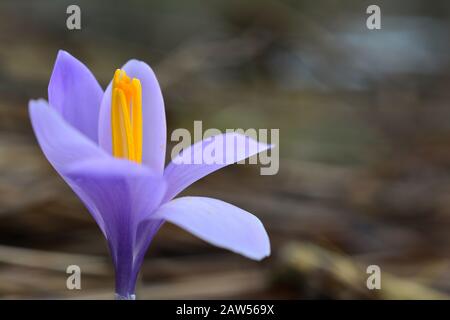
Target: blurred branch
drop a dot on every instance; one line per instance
(306, 259)
(54, 261)
(215, 286)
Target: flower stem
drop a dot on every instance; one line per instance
(127, 297)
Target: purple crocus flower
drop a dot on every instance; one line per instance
(109, 147)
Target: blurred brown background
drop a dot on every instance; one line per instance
(364, 121)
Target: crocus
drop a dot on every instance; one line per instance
(109, 147)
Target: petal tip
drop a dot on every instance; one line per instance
(138, 64)
(264, 251)
(259, 257)
(63, 54)
(62, 57)
(36, 103)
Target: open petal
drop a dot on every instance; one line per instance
(75, 93)
(119, 192)
(61, 143)
(64, 146)
(207, 156)
(218, 223)
(153, 116)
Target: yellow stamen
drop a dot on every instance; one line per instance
(126, 117)
(136, 117)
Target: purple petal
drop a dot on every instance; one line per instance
(61, 143)
(146, 230)
(190, 165)
(218, 223)
(76, 94)
(153, 116)
(119, 189)
(121, 193)
(64, 146)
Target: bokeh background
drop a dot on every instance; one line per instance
(364, 121)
